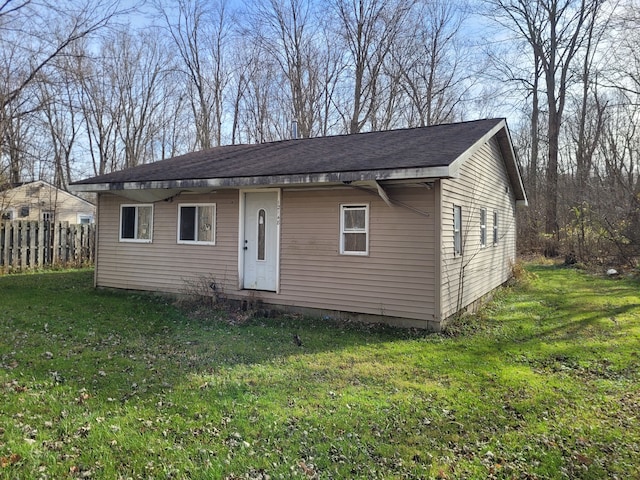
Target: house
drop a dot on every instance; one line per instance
(404, 226)
(41, 201)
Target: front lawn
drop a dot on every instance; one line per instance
(544, 383)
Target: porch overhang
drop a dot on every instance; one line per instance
(163, 189)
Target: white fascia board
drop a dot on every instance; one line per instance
(275, 181)
(520, 184)
(467, 154)
(516, 182)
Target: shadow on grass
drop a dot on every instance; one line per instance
(571, 322)
(58, 330)
(133, 373)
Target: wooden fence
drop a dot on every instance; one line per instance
(30, 244)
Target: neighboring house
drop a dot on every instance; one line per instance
(41, 201)
(405, 226)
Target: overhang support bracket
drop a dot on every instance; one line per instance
(383, 195)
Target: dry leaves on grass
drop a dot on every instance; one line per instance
(10, 460)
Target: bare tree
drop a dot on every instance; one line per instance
(555, 30)
(591, 108)
(172, 121)
(138, 65)
(98, 102)
(201, 31)
(128, 98)
(14, 138)
(607, 225)
(288, 32)
(32, 36)
(626, 50)
(45, 30)
(617, 166)
(369, 29)
(261, 118)
(61, 121)
(430, 62)
(245, 67)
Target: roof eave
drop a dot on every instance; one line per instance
(501, 132)
(314, 179)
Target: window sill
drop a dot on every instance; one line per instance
(133, 240)
(187, 242)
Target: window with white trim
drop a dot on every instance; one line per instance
(85, 218)
(483, 227)
(197, 223)
(136, 223)
(354, 229)
(457, 230)
(495, 227)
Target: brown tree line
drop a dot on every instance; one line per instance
(575, 64)
(88, 87)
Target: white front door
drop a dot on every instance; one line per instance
(260, 244)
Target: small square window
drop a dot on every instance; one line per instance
(457, 230)
(196, 223)
(136, 223)
(354, 229)
(24, 211)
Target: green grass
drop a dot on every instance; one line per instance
(543, 383)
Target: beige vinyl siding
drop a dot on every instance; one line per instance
(396, 278)
(164, 265)
(40, 197)
(483, 183)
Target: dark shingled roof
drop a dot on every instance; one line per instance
(432, 146)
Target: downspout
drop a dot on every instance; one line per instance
(438, 255)
(96, 240)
